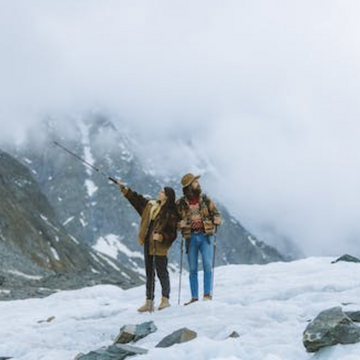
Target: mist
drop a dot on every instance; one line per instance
(266, 92)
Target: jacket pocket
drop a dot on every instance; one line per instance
(209, 227)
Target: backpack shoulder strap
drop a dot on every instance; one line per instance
(206, 200)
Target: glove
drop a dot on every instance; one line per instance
(217, 220)
(182, 224)
(157, 237)
(121, 186)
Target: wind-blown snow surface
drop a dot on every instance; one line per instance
(268, 305)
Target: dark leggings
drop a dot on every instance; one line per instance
(161, 263)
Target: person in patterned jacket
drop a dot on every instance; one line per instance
(199, 220)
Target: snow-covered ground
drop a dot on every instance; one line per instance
(268, 305)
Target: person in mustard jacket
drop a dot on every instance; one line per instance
(158, 230)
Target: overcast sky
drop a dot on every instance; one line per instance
(268, 91)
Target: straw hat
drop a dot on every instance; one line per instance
(188, 179)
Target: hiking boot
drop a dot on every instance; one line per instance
(191, 301)
(164, 303)
(147, 307)
(207, 297)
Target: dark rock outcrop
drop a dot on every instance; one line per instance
(347, 258)
(177, 337)
(329, 328)
(133, 333)
(113, 352)
(353, 315)
(234, 335)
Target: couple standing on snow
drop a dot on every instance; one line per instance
(197, 218)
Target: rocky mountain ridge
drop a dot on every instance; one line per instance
(93, 210)
(35, 248)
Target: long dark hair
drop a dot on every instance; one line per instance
(170, 205)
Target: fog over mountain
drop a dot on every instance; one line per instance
(265, 92)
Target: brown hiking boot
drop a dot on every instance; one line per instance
(164, 303)
(191, 301)
(147, 307)
(207, 297)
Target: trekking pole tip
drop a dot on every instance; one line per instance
(113, 180)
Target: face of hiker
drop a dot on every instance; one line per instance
(162, 197)
(195, 185)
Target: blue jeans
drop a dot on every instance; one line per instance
(204, 244)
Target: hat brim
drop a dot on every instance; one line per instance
(192, 180)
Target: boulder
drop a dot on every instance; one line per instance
(48, 320)
(329, 328)
(353, 315)
(347, 258)
(113, 352)
(234, 335)
(129, 333)
(177, 337)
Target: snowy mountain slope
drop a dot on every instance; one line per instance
(88, 206)
(34, 245)
(93, 210)
(268, 305)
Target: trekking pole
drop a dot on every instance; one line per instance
(213, 265)
(85, 162)
(181, 266)
(153, 271)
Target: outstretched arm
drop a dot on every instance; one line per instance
(138, 201)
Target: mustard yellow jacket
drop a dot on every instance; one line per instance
(165, 223)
